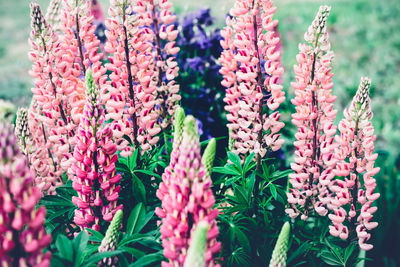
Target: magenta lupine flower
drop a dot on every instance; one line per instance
(314, 117)
(95, 177)
(353, 196)
(186, 196)
(251, 68)
(22, 234)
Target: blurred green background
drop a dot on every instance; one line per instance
(365, 37)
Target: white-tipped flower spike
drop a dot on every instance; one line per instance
(110, 241)
(22, 129)
(354, 195)
(279, 254)
(209, 156)
(197, 250)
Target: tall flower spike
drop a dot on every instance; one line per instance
(197, 250)
(22, 130)
(188, 198)
(22, 234)
(354, 194)
(95, 179)
(314, 117)
(49, 92)
(130, 101)
(110, 240)
(53, 14)
(209, 156)
(251, 69)
(279, 254)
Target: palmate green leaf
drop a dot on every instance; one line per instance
(138, 189)
(330, 259)
(132, 160)
(150, 173)
(272, 189)
(228, 169)
(249, 163)
(136, 253)
(65, 248)
(235, 159)
(148, 259)
(130, 239)
(302, 249)
(95, 235)
(239, 257)
(80, 243)
(136, 219)
(92, 260)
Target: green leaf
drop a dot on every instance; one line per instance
(148, 259)
(247, 163)
(150, 173)
(136, 219)
(330, 259)
(133, 160)
(64, 246)
(226, 170)
(80, 244)
(95, 236)
(138, 189)
(133, 251)
(129, 239)
(235, 159)
(95, 258)
(272, 188)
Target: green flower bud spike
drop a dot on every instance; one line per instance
(209, 156)
(110, 241)
(178, 125)
(22, 129)
(197, 250)
(279, 254)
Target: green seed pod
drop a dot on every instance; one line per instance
(197, 250)
(279, 254)
(209, 156)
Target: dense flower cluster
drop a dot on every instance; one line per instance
(95, 177)
(22, 234)
(186, 195)
(356, 159)
(314, 117)
(144, 94)
(22, 130)
(49, 92)
(249, 40)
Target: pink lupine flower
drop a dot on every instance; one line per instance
(144, 94)
(186, 195)
(314, 117)
(251, 68)
(353, 196)
(49, 92)
(95, 177)
(48, 175)
(22, 234)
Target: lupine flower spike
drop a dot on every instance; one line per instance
(209, 156)
(197, 250)
(110, 240)
(95, 177)
(251, 68)
(22, 130)
(354, 195)
(279, 254)
(186, 195)
(22, 234)
(314, 117)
